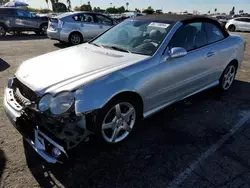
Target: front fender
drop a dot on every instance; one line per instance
(96, 94)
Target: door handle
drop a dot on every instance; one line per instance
(209, 54)
(82, 25)
(101, 26)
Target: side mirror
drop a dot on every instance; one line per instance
(177, 52)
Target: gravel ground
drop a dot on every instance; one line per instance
(162, 147)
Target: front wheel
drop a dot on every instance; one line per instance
(42, 30)
(117, 120)
(2, 30)
(228, 77)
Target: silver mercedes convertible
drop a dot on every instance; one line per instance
(105, 86)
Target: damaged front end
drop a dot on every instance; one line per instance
(50, 136)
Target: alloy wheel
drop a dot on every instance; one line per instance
(118, 122)
(75, 39)
(228, 77)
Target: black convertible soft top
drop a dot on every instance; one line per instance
(185, 19)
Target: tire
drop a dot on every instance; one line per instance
(3, 30)
(42, 30)
(232, 28)
(117, 120)
(75, 38)
(227, 77)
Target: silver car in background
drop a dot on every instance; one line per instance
(238, 24)
(77, 27)
(108, 84)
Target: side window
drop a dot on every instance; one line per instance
(103, 20)
(83, 18)
(214, 34)
(242, 19)
(190, 36)
(246, 20)
(8, 12)
(22, 13)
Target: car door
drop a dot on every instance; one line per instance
(103, 22)
(24, 20)
(247, 24)
(87, 26)
(7, 16)
(240, 24)
(180, 77)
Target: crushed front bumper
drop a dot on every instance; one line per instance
(38, 140)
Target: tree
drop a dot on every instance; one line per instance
(215, 10)
(85, 7)
(209, 12)
(127, 4)
(69, 5)
(60, 7)
(149, 10)
(241, 11)
(47, 2)
(54, 6)
(113, 10)
(137, 10)
(121, 9)
(2, 2)
(232, 11)
(98, 9)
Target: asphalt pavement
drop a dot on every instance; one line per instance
(202, 141)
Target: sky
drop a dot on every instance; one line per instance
(202, 6)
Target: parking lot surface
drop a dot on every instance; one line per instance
(203, 141)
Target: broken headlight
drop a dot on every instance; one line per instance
(44, 103)
(61, 103)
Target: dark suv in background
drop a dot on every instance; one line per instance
(16, 19)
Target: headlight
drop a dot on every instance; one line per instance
(44, 103)
(61, 103)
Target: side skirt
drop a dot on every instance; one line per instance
(157, 109)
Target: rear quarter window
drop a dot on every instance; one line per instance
(214, 33)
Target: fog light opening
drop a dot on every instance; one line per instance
(56, 152)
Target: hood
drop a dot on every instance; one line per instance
(68, 65)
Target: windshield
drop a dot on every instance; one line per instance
(140, 37)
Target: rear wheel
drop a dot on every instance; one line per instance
(228, 77)
(116, 121)
(231, 28)
(42, 30)
(75, 38)
(2, 30)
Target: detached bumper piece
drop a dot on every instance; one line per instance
(47, 148)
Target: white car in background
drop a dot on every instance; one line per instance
(238, 24)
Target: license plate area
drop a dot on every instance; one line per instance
(26, 128)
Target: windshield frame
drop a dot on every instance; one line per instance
(170, 27)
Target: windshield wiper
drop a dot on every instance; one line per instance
(117, 48)
(96, 45)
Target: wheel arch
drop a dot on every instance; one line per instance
(234, 62)
(129, 95)
(4, 25)
(43, 23)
